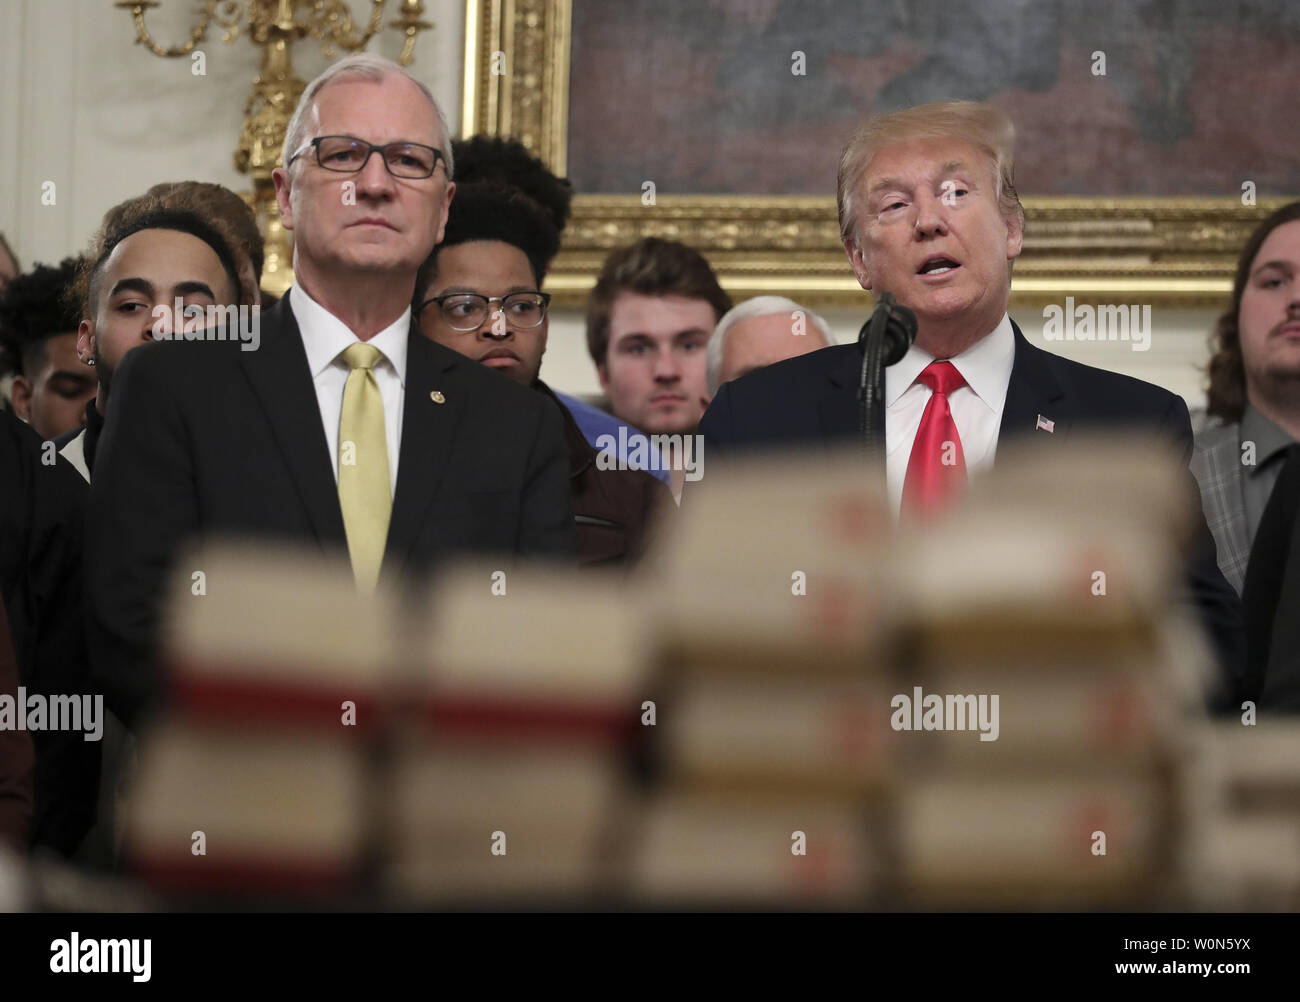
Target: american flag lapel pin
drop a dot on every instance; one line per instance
(1045, 425)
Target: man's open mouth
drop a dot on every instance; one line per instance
(937, 265)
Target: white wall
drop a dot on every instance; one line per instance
(104, 119)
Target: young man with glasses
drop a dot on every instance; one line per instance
(346, 427)
(479, 294)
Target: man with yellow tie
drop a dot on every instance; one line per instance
(345, 425)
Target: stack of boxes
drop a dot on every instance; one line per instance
(793, 704)
(772, 600)
(1039, 635)
(513, 769)
(255, 778)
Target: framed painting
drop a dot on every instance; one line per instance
(1150, 138)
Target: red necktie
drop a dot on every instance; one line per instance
(936, 470)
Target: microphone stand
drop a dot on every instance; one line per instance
(871, 339)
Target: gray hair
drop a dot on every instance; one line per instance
(759, 306)
(361, 66)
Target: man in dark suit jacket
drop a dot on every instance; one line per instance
(928, 211)
(205, 438)
(42, 506)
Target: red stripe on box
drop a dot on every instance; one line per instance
(203, 695)
(251, 873)
(498, 717)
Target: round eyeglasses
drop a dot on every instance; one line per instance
(348, 155)
(466, 311)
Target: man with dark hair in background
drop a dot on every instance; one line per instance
(1247, 460)
(1254, 391)
(649, 319)
(142, 258)
(145, 259)
(479, 293)
(222, 209)
(38, 331)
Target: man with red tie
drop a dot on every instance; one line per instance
(929, 212)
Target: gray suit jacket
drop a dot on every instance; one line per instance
(1216, 463)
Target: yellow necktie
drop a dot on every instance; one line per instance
(364, 492)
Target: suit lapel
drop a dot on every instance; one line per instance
(428, 431)
(1034, 392)
(279, 374)
(838, 410)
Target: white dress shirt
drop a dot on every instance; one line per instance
(325, 337)
(976, 407)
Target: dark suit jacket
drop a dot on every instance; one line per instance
(16, 757)
(814, 398)
(204, 439)
(1271, 596)
(42, 507)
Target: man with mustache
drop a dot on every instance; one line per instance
(1247, 460)
(1254, 392)
(929, 212)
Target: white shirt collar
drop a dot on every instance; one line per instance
(985, 365)
(324, 335)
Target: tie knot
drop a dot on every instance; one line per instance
(942, 377)
(361, 355)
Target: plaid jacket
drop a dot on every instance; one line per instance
(1216, 463)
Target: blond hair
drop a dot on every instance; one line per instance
(983, 125)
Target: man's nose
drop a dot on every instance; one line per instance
(373, 178)
(494, 326)
(931, 215)
(666, 366)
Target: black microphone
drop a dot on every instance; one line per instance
(883, 340)
(899, 324)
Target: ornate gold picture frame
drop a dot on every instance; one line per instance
(1172, 252)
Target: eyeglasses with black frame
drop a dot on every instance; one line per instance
(466, 311)
(348, 155)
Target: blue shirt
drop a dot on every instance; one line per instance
(596, 424)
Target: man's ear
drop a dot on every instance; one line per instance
(1015, 235)
(602, 373)
(442, 216)
(20, 395)
(854, 250)
(281, 178)
(86, 340)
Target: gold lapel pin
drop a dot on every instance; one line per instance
(437, 397)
